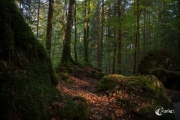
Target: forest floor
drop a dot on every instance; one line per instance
(101, 106)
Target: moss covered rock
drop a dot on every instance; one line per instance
(139, 96)
(27, 79)
(170, 79)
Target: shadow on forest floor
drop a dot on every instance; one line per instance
(104, 106)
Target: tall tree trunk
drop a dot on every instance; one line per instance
(66, 52)
(109, 51)
(114, 54)
(49, 26)
(114, 43)
(165, 29)
(134, 55)
(88, 25)
(85, 35)
(75, 35)
(109, 41)
(102, 28)
(144, 33)
(99, 59)
(179, 26)
(137, 40)
(37, 30)
(119, 39)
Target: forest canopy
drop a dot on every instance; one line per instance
(112, 35)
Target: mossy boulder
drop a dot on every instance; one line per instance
(70, 108)
(139, 96)
(170, 79)
(27, 79)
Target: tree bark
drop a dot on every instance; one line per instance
(75, 35)
(85, 35)
(99, 59)
(49, 26)
(37, 30)
(144, 33)
(114, 43)
(102, 29)
(179, 26)
(137, 40)
(119, 39)
(66, 53)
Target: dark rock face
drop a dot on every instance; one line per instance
(26, 75)
(27, 80)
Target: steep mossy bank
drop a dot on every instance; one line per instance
(27, 79)
(137, 95)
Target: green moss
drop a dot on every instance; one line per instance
(67, 67)
(28, 82)
(137, 95)
(97, 75)
(108, 83)
(71, 108)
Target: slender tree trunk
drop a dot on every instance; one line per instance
(137, 40)
(102, 29)
(99, 59)
(114, 55)
(88, 25)
(134, 41)
(109, 42)
(144, 33)
(179, 26)
(85, 35)
(75, 35)
(109, 52)
(66, 53)
(49, 26)
(38, 20)
(119, 39)
(114, 44)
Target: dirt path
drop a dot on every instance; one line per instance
(100, 106)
